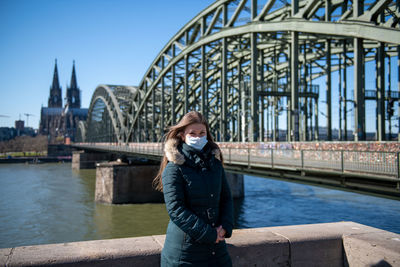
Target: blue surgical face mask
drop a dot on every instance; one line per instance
(196, 142)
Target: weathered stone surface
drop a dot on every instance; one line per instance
(300, 245)
(4, 255)
(85, 160)
(76, 156)
(104, 191)
(119, 183)
(318, 244)
(380, 248)
(160, 239)
(258, 247)
(141, 251)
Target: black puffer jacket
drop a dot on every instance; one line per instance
(198, 199)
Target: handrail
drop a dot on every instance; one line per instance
(379, 163)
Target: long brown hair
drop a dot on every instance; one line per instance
(175, 132)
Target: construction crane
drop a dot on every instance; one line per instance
(27, 118)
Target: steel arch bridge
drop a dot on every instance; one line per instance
(246, 63)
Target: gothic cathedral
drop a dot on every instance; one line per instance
(58, 121)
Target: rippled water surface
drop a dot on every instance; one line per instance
(270, 202)
(50, 203)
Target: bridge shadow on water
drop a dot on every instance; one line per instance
(270, 202)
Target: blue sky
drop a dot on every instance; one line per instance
(111, 41)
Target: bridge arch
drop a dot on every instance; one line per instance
(247, 63)
(81, 132)
(109, 113)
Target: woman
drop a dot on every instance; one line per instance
(197, 196)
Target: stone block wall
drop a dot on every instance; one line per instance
(327, 244)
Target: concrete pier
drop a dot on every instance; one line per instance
(119, 183)
(329, 244)
(236, 184)
(87, 160)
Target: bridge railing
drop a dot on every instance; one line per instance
(364, 162)
(385, 164)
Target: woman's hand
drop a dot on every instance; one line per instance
(220, 234)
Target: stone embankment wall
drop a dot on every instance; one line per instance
(329, 244)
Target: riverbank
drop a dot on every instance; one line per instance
(35, 160)
(55, 153)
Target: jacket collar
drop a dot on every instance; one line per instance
(173, 152)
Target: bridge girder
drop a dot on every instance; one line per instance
(115, 102)
(236, 49)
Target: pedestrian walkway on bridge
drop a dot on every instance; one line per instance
(367, 166)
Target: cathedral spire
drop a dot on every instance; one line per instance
(56, 83)
(73, 92)
(73, 77)
(55, 98)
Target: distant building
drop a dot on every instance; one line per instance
(56, 120)
(19, 125)
(22, 130)
(7, 133)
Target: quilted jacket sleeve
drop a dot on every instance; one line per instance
(184, 218)
(226, 207)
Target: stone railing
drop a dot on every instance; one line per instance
(329, 244)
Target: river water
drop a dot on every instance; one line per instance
(51, 203)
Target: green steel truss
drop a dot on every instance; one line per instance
(245, 63)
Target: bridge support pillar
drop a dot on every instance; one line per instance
(85, 160)
(236, 184)
(119, 183)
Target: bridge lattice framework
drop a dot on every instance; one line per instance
(245, 63)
